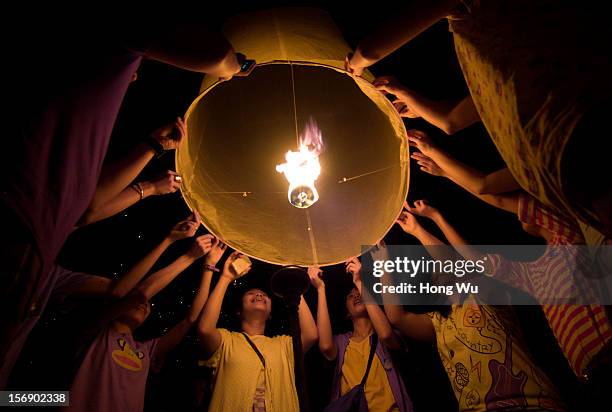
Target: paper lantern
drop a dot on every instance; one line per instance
(240, 130)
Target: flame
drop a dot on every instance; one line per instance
(302, 168)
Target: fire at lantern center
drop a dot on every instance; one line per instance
(302, 168)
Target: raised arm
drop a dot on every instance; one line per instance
(165, 184)
(450, 116)
(118, 175)
(417, 16)
(308, 327)
(175, 335)
(377, 316)
(160, 279)
(415, 326)
(505, 201)
(327, 345)
(105, 287)
(467, 177)
(194, 48)
(461, 245)
(210, 338)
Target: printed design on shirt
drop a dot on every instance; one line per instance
(126, 357)
(487, 341)
(476, 367)
(472, 398)
(473, 317)
(507, 388)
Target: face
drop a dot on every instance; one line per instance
(136, 315)
(256, 301)
(354, 304)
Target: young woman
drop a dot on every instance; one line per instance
(384, 388)
(252, 371)
(480, 347)
(583, 331)
(113, 373)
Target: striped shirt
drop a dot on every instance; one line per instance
(581, 330)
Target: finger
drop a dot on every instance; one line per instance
(405, 205)
(196, 218)
(416, 133)
(380, 80)
(181, 124)
(400, 106)
(171, 173)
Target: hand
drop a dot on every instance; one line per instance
(407, 221)
(216, 251)
(201, 246)
(380, 252)
(315, 274)
(170, 135)
(352, 66)
(421, 141)
(186, 228)
(167, 183)
(241, 60)
(390, 85)
(353, 266)
(428, 165)
(228, 272)
(229, 67)
(422, 208)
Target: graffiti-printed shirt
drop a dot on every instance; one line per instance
(487, 365)
(113, 374)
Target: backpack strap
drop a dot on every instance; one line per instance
(259, 355)
(373, 344)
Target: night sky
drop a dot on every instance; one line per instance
(429, 66)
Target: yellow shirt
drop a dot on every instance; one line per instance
(237, 369)
(486, 363)
(377, 390)
(532, 76)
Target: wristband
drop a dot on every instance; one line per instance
(138, 189)
(155, 145)
(212, 268)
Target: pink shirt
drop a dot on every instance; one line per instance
(113, 374)
(581, 330)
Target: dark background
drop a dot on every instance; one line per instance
(427, 65)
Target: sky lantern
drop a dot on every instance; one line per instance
(299, 163)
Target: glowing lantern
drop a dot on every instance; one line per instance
(345, 149)
(302, 168)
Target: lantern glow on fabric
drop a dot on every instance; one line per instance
(239, 131)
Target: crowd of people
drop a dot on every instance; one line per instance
(538, 90)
